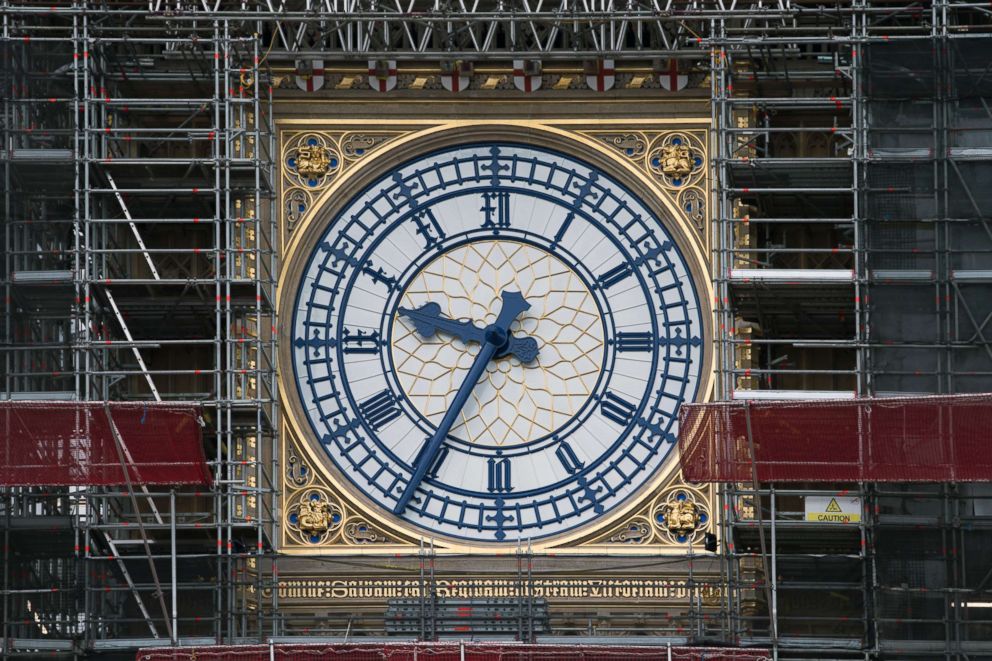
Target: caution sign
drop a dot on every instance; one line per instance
(833, 509)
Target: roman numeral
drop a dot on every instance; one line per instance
(635, 342)
(617, 409)
(560, 234)
(436, 466)
(379, 410)
(498, 214)
(428, 227)
(566, 455)
(360, 342)
(499, 475)
(614, 275)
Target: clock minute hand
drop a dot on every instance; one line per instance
(428, 320)
(496, 337)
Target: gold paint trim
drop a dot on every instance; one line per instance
(496, 98)
(477, 70)
(617, 125)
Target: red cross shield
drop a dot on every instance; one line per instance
(309, 75)
(600, 75)
(382, 75)
(527, 75)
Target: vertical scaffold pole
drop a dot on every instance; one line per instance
(772, 623)
(172, 549)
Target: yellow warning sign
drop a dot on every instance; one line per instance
(833, 509)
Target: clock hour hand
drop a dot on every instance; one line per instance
(428, 320)
(495, 338)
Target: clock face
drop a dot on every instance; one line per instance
(491, 342)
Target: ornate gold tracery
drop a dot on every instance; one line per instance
(514, 403)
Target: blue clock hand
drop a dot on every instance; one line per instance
(496, 337)
(428, 320)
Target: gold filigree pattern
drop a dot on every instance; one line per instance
(676, 517)
(314, 516)
(692, 201)
(361, 533)
(317, 516)
(296, 202)
(680, 514)
(357, 145)
(298, 474)
(631, 145)
(314, 159)
(636, 531)
(513, 403)
(677, 160)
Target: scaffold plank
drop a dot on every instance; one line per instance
(786, 276)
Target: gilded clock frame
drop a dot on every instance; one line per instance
(319, 514)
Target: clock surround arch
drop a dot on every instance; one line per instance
(431, 138)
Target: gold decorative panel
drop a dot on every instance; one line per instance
(676, 160)
(313, 160)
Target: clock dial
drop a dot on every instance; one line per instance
(492, 342)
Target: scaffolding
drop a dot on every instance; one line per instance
(466, 651)
(852, 257)
(851, 235)
(899, 567)
(138, 267)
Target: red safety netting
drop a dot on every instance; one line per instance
(450, 651)
(908, 439)
(72, 444)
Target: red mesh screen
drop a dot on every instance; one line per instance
(71, 444)
(912, 439)
(450, 651)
